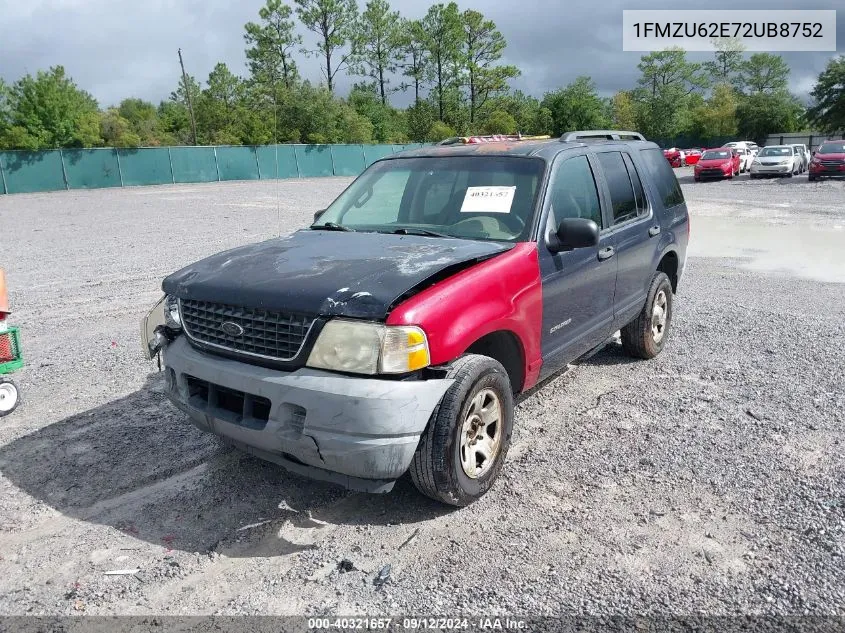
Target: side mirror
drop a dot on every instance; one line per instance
(573, 233)
(317, 215)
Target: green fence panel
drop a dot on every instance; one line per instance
(314, 160)
(91, 168)
(193, 164)
(348, 159)
(2, 180)
(373, 152)
(237, 163)
(145, 166)
(284, 154)
(27, 172)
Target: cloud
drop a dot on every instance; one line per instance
(120, 48)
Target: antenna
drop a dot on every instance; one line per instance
(188, 97)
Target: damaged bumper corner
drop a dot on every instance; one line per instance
(355, 431)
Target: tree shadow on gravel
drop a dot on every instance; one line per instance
(136, 464)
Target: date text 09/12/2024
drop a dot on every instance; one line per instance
(419, 623)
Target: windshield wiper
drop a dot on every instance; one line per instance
(330, 226)
(416, 231)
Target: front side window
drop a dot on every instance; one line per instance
(477, 197)
(573, 193)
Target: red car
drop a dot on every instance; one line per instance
(673, 155)
(722, 162)
(693, 156)
(828, 160)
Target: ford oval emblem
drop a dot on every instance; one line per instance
(231, 328)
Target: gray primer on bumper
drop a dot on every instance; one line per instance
(359, 432)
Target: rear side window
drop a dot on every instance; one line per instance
(664, 178)
(619, 182)
(639, 193)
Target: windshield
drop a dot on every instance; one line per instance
(776, 151)
(478, 197)
(715, 154)
(832, 148)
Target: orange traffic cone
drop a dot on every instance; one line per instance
(4, 296)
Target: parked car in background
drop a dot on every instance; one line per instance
(804, 155)
(746, 157)
(693, 155)
(776, 160)
(673, 155)
(720, 162)
(828, 161)
(395, 332)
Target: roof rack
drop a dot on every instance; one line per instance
(602, 135)
(491, 138)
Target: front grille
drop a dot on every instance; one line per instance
(267, 334)
(833, 163)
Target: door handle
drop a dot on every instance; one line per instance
(606, 253)
(655, 230)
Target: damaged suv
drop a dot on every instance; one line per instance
(393, 335)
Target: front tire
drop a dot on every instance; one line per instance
(646, 335)
(9, 397)
(463, 449)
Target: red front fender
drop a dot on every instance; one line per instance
(502, 293)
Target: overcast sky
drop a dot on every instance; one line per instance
(120, 48)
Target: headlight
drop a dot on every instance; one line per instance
(727, 165)
(361, 347)
(172, 318)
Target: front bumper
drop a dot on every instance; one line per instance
(838, 170)
(712, 172)
(357, 432)
(771, 169)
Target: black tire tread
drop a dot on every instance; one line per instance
(429, 465)
(636, 334)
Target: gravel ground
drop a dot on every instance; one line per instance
(708, 481)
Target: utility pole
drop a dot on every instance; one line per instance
(188, 96)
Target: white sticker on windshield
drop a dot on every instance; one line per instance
(488, 200)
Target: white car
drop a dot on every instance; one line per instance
(804, 155)
(745, 158)
(776, 160)
(751, 146)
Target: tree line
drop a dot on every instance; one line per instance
(450, 62)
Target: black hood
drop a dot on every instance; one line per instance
(329, 273)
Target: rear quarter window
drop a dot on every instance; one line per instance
(664, 178)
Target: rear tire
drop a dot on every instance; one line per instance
(9, 397)
(463, 449)
(645, 336)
